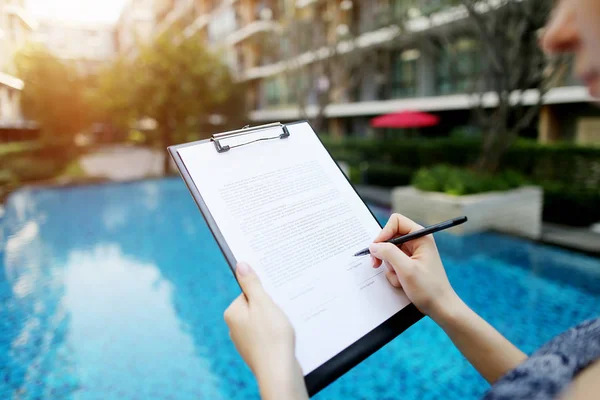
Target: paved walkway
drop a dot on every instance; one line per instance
(123, 163)
(576, 238)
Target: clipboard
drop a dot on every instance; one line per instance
(358, 351)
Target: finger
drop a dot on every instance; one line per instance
(391, 254)
(397, 225)
(409, 247)
(393, 279)
(375, 262)
(249, 282)
(236, 309)
(388, 266)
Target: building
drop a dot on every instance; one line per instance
(87, 45)
(277, 47)
(135, 25)
(16, 27)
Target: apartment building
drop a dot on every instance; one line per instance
(135, 26)
(87, 45)
(276, 47)
(16, 27)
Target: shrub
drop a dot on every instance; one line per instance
(571, 205)
(33, 161)
(386, 175)
(461, 181)
(565, 163)
(355, 175)
(33, 168)
(570, 174)
(7, 177)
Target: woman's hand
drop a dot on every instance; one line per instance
(416, 267)
(265, 339)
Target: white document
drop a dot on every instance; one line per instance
(284, 207)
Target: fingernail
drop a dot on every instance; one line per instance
(374, 248)
(373, 262)
(243, 269)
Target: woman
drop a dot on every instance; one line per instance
(566, 368)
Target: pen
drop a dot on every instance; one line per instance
(420, 233)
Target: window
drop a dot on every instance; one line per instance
(398, 9)
(458, 67)
(273, 92)
(405, 73)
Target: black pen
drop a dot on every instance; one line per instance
(418, 234)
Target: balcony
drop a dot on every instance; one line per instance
(22, 14)
(561, 95)
(250, 30)
(306, 3)
(363, 41)
(376, 37)
(199, 23)
(170, 15)
(11, 81)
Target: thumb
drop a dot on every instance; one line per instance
(249, 281)
(393, 255)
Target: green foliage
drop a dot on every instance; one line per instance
(386, 175)
(74, 170)
(176, 82)
(411, 152)
(6, 149)
(571, 205)
(570, 174)
(462, 181)
(34, 161)
(355, 175)
(54, 94)
(114, 95)
(7, 177)
(26, 169)
(136, 137)
(180, 83)
(564, 163)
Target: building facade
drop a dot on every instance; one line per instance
(135, 25)
(87, 45)
(278, 48)
(16, 27)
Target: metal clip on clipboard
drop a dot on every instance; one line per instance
(244, 131)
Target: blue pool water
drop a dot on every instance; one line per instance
(117, 292)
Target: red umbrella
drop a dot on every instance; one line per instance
(405, 119)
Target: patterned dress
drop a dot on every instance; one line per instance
(552, 368)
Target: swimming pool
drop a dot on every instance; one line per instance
(117, 292)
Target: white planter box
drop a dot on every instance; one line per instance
(517, 211)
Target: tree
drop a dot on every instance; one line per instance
(114, 94)
(515, 68)
(54, 95)
(178, 83)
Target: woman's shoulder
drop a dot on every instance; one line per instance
(548, 371)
